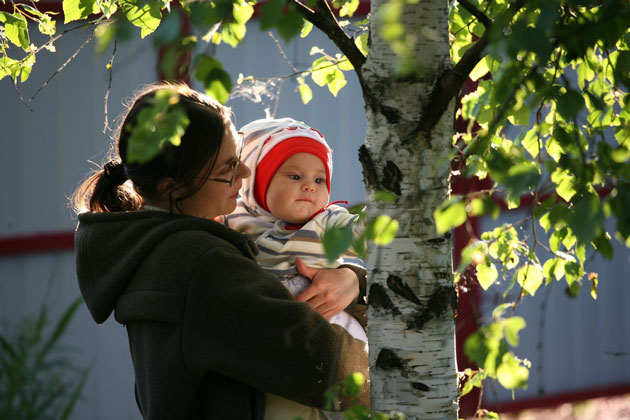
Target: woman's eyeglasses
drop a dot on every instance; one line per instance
(234, 166)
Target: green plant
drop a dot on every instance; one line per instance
(38, 379)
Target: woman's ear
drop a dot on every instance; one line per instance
(165, 185)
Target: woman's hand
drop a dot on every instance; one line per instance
(332, 290)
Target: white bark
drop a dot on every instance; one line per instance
(412, 362)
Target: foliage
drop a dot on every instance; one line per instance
(161, 124)
(38, 379)
(548, 121)
(380, 230)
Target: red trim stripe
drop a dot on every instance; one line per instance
(39, 242)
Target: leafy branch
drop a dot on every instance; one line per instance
(323, 18)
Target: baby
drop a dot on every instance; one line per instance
(284, 206)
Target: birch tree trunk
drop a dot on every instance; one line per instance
(411, 295)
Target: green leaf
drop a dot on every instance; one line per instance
(486, 275)
(587, 218)
(382, 230)
(519, 115)
(530, 278)
(594, 279)
(78, 9)
(475, 347)
(336, 241)
(482, 206)
(521, 177)
(511, 374)
(585, 74)
(345, 64)
(570, 104)
(554, 269)
(531, 142)
(290, 23)
(556, 239)
(157, 126)
(146, 15)
(305, 93)
(500, 310)
(271, 13)
(352, 384)
(9, 67)
(169, 31)
(243, 12)
(348, 8)
(385, 196)
(604, 246)
(320, 69)
(450, 214)
(26, 67)
(362, 43)
(216, 81)
(15, 29)
(481, 69)
(233, 33)
(512, 327)
(47, 26)
(336, 80)
(306, 29)
(566, 184)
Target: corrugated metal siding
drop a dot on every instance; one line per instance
(46, 153)
(578, 336)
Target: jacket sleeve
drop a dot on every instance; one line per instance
(241, 322)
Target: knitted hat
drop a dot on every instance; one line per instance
(281, 139)
(282, 151)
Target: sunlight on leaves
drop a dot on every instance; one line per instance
(157, 126)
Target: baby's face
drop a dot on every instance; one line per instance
(298, 189)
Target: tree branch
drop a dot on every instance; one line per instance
(450, 82)
(324, 19)
(481, 17)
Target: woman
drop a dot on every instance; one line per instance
(209, 330)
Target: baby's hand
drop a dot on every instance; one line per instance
(332, 290)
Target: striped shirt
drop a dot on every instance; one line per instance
(279, 246)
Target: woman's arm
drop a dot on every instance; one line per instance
(241, 322)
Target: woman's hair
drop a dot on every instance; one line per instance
(109, 190)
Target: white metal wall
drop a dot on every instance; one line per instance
(46, 153)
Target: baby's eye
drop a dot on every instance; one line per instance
(320, 180)
(294, 177)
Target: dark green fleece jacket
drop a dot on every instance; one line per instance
(208, 328)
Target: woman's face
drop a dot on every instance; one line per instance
(215, 198)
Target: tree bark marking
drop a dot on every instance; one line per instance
(398, 286)
(377, 298)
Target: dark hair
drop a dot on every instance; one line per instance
(108, 189)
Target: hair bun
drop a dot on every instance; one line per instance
(115, 173)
